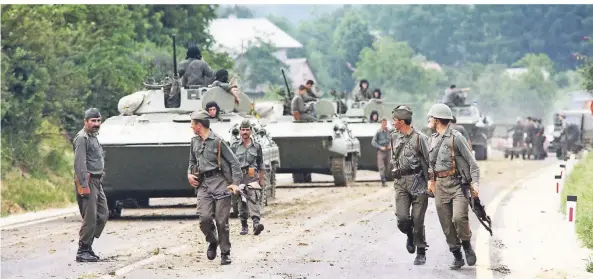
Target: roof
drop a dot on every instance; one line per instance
(234, 34)
(300, 71)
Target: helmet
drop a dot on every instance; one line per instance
(245, 123)
(441, 111)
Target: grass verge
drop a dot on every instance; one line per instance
(48, 185)
(580, 183)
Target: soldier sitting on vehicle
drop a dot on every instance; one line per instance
(310, 96)
(298, 108)
(213, 110)
(374, 117)
(221, 79)
(362, 92)
(455, 97)
(377, 93)
(193, 70)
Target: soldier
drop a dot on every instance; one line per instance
(221, 79)
(212, 167)
(250, 156)
(381, 142)
(518, 133)
(298, 105)
(451, 166)
(410, 157)
(377, 93)
(362, 92)
(454, 96)
(461, 129)
(88, 172)
(310, 96)
(193, 70)
(213, 110)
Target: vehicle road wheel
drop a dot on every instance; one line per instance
(115, 208)
(341, 170)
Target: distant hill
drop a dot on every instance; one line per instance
(294, 13)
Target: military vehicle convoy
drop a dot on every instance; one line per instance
(479, 128)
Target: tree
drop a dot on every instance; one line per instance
(259, 66)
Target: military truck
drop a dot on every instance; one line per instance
(271, 156)
(577, 135)
(479, 127)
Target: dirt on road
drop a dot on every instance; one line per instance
(309, 233)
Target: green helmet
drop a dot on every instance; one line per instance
(440, 111)
(245, 124)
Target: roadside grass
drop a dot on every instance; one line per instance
(49, 185)
(580, 183)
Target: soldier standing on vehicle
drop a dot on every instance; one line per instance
(298, 105)
(89, 161)
(250, 156)
(451, 163)
(382, 143)
(410, 157)
(455, 96)
(362, 92)
(214, 171)
(193, 70)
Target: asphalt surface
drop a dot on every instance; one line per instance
(309, 233)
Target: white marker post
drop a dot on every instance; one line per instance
(558, 180)
(563, 168)
(571, 211)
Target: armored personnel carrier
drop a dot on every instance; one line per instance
(271, 154)
(480, 128)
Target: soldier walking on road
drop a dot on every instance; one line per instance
(88, 172)
(410, 157)
(381, 142)
(451, 165)
(250, 156)
(212, 167)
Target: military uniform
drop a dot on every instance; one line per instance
(216, 167)
(88, 170)
(410, 158)
(252, 164)
(298, 105)
(197, 72)
(382, 139)
(451, 163)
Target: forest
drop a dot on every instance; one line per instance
(58, 60)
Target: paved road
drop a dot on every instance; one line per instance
(310, 233)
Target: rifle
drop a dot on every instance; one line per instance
(478, 208)
(287, 97)
(246, 198)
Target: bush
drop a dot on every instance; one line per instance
(580, 183)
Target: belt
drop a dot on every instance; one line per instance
(93, 175)
(443, 174)
(398, 173)
(210, 173)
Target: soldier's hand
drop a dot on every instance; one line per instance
(431, 186)
(193, 180)
(233, 189)
(475, 188)
(84, 192)
(382, 148)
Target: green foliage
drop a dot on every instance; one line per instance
(235, 10)
(579, 183)
(259, 66)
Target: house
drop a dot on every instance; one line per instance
(233, 35)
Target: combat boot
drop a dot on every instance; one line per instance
(244, 228)
(470, 255)
(211, 252)
(420, 256)
(257, 227)
(225, 258)
(410, 244)
(383, 181)
(458, 262)
(83, 254)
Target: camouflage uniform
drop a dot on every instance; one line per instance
(216, 167)
(298, 104)
(381, 139)
(251, 160)
(410, 158)
(451, 162)
(89, 161)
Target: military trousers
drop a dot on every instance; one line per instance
(383, 159)
(307, 117)
(214, 212)
(94, 212)
(410, 223)
(247, 208)
(452, 208)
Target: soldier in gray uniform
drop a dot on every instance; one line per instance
(362, 93)
(310, 96)
(381, 142)
(193, 70)
(214, 171)
(88, 171)
(298, 105)
(250, 157)
(410, 157)
(221, 79)
(451, 166)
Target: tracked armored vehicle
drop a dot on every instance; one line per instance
(479, 128)
(271, 154)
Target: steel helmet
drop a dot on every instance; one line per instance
(440, 111)
(245, 124)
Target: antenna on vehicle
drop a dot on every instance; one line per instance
(175, 73)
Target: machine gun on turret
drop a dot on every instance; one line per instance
(287, 97)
